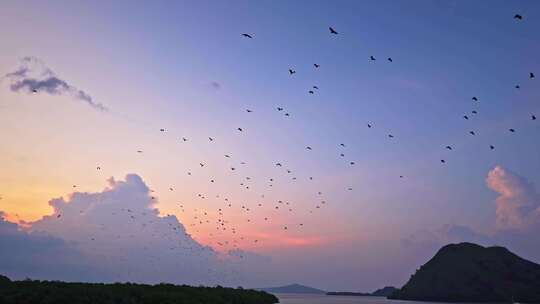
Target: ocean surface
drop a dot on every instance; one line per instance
(324, 299)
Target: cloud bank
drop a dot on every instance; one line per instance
(40, 256)
(32, 76)
(120, 235)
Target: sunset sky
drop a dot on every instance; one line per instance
(127, 69)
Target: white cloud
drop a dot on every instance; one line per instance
(121, 235)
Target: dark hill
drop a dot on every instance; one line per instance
(468, 272)
(293, 288)
(384, 292)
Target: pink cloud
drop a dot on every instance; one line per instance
(518, 203)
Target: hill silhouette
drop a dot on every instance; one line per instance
(37, 292)
(381, 292)
(293, 288)
(468, 272)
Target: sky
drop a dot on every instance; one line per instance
(91, 185)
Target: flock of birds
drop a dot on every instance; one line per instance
(227, 235)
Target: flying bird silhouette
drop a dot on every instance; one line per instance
(531, 75)
(465, 116)
(332, 31)
(491, 147)
(475, 98)
(316, 87)
(316, 65)
(280, 109)
(372, 58)
(247, 36)
(512, 130)
(249, 111)
(389, 59)
(291, 71)
(449, 147)
(472, 133)
(533, 117)
(311, 92)
(518, 17)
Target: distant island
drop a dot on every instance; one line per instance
(468, 272)
(36, 292)
(383, 292)
(293, 288)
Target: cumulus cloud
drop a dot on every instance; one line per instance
(41, 256)
(33, 76)
(122, 236)
(517, 206)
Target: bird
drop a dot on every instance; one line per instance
(249, 111)
(316, 87)
(474, 112)
(227, 155)
(287, 114)
(372, 58)
(239, 129)
(291, 71)
(308, 148)
(531, 75)
(475, 98)
(184, 139)
(390, 136)
(443, 161)
(449, 147)
(368, 125)
(401, 176)
(98, 168)
(389, 59)
(465, 116)
(472, 133)
(512, 130)
(491, 147)
(517, 86)
(210, 139)
(316, 65)
(201, 164)
(332, 31)
(139, 151)
(162, 130)
(247, 36)
(518, 17)
(280, 109)
(342, 155)
(343, 145)
(533, 117)
(34, 91)
(311, 92)
(352, 163)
